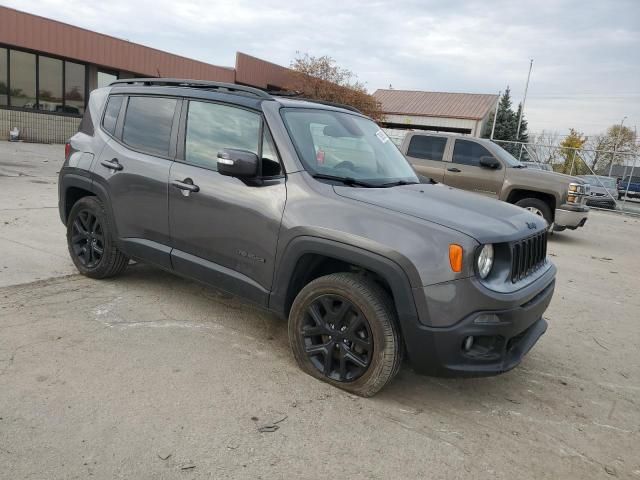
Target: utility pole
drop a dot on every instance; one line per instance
(495, 116)
(615, 147)
(524, 99)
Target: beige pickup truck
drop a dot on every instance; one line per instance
(481, 166)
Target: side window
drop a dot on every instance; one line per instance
(147, 124)
(111, 114)
(270, 161)
(469, 153)
(212, 127)
(427, 147)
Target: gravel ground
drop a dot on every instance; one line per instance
(151, 376)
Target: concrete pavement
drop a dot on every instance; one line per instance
(152, 376)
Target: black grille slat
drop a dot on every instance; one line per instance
(528, 255)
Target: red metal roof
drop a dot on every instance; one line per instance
(474, 106)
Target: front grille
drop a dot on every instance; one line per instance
(528, 255)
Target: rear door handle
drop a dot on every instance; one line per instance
(454, 170)
(186, 185)
(112, 164)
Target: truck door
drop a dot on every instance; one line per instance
(426, 154)
(466, 172)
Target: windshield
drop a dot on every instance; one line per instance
(606, 182)
(347, 147)
(506, 157)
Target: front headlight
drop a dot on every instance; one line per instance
(576, 191)
(484, 261)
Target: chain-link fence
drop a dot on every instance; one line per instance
(614, 176)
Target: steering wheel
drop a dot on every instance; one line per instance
(346, 164)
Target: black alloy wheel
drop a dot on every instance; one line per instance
(87, 239)
(337, 338)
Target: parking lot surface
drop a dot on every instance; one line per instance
(152, 376)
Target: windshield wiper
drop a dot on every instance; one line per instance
(397, 184)
(346, 180)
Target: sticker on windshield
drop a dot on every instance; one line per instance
(382, 136)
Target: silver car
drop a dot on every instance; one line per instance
(603, 191)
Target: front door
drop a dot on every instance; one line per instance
(224, 231)
(426, 154)
(465, 172)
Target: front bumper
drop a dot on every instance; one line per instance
(603, 202)
(571, 217)
(629, 193)
(498, 347)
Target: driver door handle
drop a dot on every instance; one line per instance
(187, 185)
(454, 169)
(112, 164)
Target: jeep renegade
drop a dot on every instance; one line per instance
(309, 210)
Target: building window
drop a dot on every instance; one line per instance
(49, 84)
(23, 79)
(105, 79)
(29, 80)
(4, 86)
(74, 87)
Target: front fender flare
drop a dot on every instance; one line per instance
(383, 266)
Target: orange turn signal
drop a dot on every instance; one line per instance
(455, 257)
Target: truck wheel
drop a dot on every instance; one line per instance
(90, 242)
(540, 208)
(343, 330)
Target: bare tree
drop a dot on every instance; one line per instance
(319, 78)
(545, 147)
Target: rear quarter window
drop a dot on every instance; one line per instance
(111, 114)
(86, 124)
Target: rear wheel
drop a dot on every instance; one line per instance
(538, 207)
(90, 241)
(343, 330)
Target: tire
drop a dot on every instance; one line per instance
(371, 305)
(90, 240)
(538, 207)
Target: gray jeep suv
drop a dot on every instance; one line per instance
(308, 210)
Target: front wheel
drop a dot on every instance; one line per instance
(90, 240)
(343, 330)
(538, 207)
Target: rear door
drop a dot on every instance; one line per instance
(464, 170)
(426, 153)
(134, 170)
(225, 230)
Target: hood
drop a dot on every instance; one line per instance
(547, 175)
(482, 218)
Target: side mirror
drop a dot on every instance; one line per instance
(237, 163)
(489, 162)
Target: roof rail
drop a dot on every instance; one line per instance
(297, 95)
(204, 84)
(330, 104)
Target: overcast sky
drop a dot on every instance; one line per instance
(586, 71)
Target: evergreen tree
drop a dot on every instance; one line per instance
(507, 126)
(524, 135)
